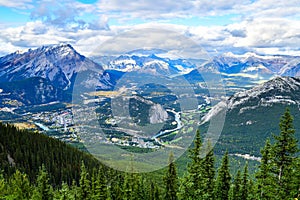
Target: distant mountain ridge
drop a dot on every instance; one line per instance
(280, 90)
(252, 63)
(252, 115)
(228, 63)
(146, 62)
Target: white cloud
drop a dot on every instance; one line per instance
(263, 36)
(167, 9)
(272, 8)
(263, 33)
(31, 35)
(68, 15)
(20, 4)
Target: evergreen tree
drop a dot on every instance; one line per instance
(153, 192)
(84, 183)
(252, 194)
(245, 183)
(127, 187)
(130, 186)
(277, 175)
(171, 180)
(20, 187)
(3, 185)
(43, 190)
(237, 187)
(116, 183)
(192, 183)
(139, 189)
(296, 172)
(208, 173)
(284, 151)
(133, 187)
(64, 193)
(99, 185)
(265, 180)
(74, 191)
(223, 180)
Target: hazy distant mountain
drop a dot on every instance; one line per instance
(248, 70)
(253, 64)
(155, 61)
(147, 61)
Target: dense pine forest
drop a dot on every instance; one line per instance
(34, 166)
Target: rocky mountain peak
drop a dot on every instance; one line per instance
(57, 63)
(279, 90)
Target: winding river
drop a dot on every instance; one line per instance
(179, 125)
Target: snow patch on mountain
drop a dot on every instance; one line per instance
(255, 68)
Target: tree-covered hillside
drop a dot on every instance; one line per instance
(28, 151)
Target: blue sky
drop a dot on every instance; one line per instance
(259, 26)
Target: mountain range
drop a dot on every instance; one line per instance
(243, 71)
(229, 63)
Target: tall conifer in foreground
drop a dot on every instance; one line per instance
(245, 183)
(84, 183)
(223, 180)
(208, 173)
(277, 175)
(3, 186)
(20, 186)
(284, 155)
(43, 189)
(171, 180)
(264, 177)
(191, 185)
(236, 189)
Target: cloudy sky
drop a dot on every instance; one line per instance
(259, 26)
